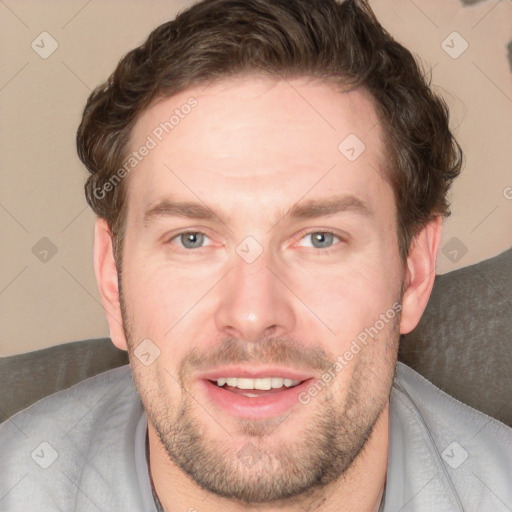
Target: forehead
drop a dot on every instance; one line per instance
(254, 140)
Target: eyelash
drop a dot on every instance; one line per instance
(328, 250)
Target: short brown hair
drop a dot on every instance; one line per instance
(285, 39)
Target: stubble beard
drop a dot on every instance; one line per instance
(336, 432)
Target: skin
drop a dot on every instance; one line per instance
(252, 149)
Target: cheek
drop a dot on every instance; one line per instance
(346, 298)
(166, 305)
(159, 296)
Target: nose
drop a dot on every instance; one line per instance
(254, 303)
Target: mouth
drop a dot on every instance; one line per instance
(254, 394)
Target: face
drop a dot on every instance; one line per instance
(259, 249)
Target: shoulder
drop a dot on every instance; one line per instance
(49, 448)
(472, 451)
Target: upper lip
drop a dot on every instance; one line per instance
(253, 373)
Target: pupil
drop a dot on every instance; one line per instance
(323, 239)
(191, 240)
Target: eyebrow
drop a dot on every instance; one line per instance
(330, 206)
(186, 209)
(309, 209)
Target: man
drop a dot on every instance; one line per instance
(270, 178)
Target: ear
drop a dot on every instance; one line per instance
(420, 274)
(105, 269)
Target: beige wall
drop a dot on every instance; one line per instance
(41, 189)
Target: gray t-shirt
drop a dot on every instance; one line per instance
(84, 449)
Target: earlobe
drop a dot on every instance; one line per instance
(420, 274)
(105, 269)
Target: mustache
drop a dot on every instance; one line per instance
(279, 351)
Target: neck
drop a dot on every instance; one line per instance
(360, 489)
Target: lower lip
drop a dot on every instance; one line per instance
(259, 407)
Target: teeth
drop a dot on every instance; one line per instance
(277, 382)
(263, 384)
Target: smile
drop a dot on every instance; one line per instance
(266, 383)
(247, 399)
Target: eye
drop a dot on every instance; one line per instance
(189, 239)
(320, 239)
